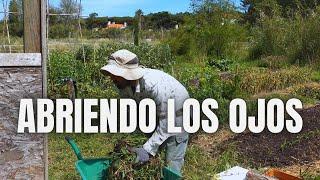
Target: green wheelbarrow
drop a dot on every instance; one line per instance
(90, 169)
(170, 174)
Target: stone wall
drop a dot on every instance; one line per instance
(21, 155)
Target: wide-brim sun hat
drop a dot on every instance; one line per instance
(125, 64)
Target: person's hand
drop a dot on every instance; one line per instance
(142, 155)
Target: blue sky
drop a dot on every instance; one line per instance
(128, 7)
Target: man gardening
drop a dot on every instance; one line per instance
(138, 83)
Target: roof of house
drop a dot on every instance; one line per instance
(115, 26)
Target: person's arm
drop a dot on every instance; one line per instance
(158, 137)
(161, 133)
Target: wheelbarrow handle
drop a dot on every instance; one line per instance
(74, 147)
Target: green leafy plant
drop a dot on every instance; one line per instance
(222, 65)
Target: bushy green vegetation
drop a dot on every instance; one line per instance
(213, 31)
(84, 64)
(296, 37)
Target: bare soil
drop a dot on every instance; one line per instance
(283, 149)
(293, 153)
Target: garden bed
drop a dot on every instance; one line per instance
(267, 149)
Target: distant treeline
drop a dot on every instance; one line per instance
(213, 29)
(64, 26)
(158, 20)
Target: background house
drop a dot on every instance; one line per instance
(113, 25)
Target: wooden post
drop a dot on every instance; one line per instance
(35, 33)
(35, 41)
(44, 45)
(44, 52)
(32, 26)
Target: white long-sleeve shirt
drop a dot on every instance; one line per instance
(160, 87)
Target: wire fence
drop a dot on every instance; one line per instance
(8, 46)
(5, 21)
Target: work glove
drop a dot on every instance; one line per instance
(142, 155)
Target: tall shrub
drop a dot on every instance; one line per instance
(306, 49)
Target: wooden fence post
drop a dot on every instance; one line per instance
(35, 41)
(32, 26)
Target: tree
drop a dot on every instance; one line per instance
(213, 30)
(92, 21)
(69, 6)
(137, 26)
(15, 19)
(285, 8)
(139, 14)
(161, 20)
(54, 19)
(256, 8)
